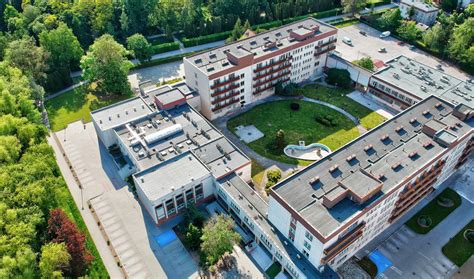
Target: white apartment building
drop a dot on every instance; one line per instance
(422, 12)
(240, 73)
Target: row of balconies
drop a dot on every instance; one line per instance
(226, 97)
(220, 84)
(258, 91)
(398, 212)
(259, 69)
(233, 101)
(281, 74)
(343, 243)
(322, 51)
(220, 92)
(283, 67)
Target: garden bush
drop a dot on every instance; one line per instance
(188, 42)
(274, 176)
(339, 77)
(295, 106)
(164, 47)
(326, 120)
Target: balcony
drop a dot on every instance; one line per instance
(217, 93)
(232, 79)
(272, 64)
(319, 51)
(282, 74)
(217, 100)
(284, 67)
(258, 91)
(343, 243)
(326, 44)
(233, 101)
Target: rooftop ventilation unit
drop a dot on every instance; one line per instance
(314, 180)
(413, 120)
(368, 147)
(396, 166)
(333, 168)
(166, 132)
(351, 157)
(413, 154)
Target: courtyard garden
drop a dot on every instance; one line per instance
(461, 247)
(338, 96)
(434, 212)
(75, 105)
(284, 123)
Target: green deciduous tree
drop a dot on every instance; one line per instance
(64, 53)
(218, 238)
(409, 31)
(140, 47)
(366, 63)
(390, 20)
(54, 259)
(106, 65)
(353, 6)
(461, 44)
(280, 141)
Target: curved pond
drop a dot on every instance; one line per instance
(311, 152)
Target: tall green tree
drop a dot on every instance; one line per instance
(54, 259)
(106, 65)
(366, 63)
(461, 44)
(218, 237)
(390, 20)
(140, 47)
(29, 58)
(409, 31)
(353, 6)
(64, 53)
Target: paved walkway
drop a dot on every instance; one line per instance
(372, 104)
(221, 124)
(62, 91)
(419, 256)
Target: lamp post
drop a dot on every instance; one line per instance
(82, 197)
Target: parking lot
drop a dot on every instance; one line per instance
(368, 45)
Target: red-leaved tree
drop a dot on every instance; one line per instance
(61, 229)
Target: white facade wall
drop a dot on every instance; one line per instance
(358, 74)
(395, 92)
(278, 216)
(425, 17)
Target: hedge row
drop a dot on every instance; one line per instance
(164, 47)
(378, 3)
(205, 39)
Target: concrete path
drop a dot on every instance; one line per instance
(62, 91)
(221, 124)
(367, 101)
(419, 256)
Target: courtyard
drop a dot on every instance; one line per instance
(297, 125)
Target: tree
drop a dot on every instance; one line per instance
(353, 6)
(65, 53)
(280, 141)
(54, 259)
(237, 32)
(461, 44)
(61, 229)
(26, 56)
(192, 236)
(411, 12)
(409, 31)
(366, 63)
(140, 47)
(434, 37)
(218, 237)
(449, 5)
(390, 20)
(106, 65)
(339, 77)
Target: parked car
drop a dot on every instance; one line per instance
(382, 49)
(412, 47)
(385, 34)
(401, 43)
(347, 41)
(363, 33)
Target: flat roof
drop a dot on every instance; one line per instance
(215, 60)
(423, 6)
(423, 81)
(171, 175)
(121, 113)
(388, 153)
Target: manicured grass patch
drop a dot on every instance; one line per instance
(337, 96)
(273, 270)
(297, 125)
(257, 172)
(435, 212)
(459, 249)
(344, 22)
(76, 105)
(67, 204)
(368, 266)
(170, 81)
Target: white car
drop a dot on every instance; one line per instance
(347, 41)
(385, 34)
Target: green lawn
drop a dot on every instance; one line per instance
(337, 96)
(434, 211)
(257, 172)
(297, 125)
(458, 249)
(273, 270)
(76, 105)
(67, 204)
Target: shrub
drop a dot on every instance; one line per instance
(273, 176)
(295, 106)
(205, 39)
(280, 141)
(339, 77)
(192, 237)
(326, 120)
(470, 236)
(164, 47)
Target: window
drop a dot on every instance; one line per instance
(308, 236)
(306, 254)
(160, 211)
(307, 245)
(180, 201)
(241, 83)
(242, 75)
(170, 207)
(190, 196)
